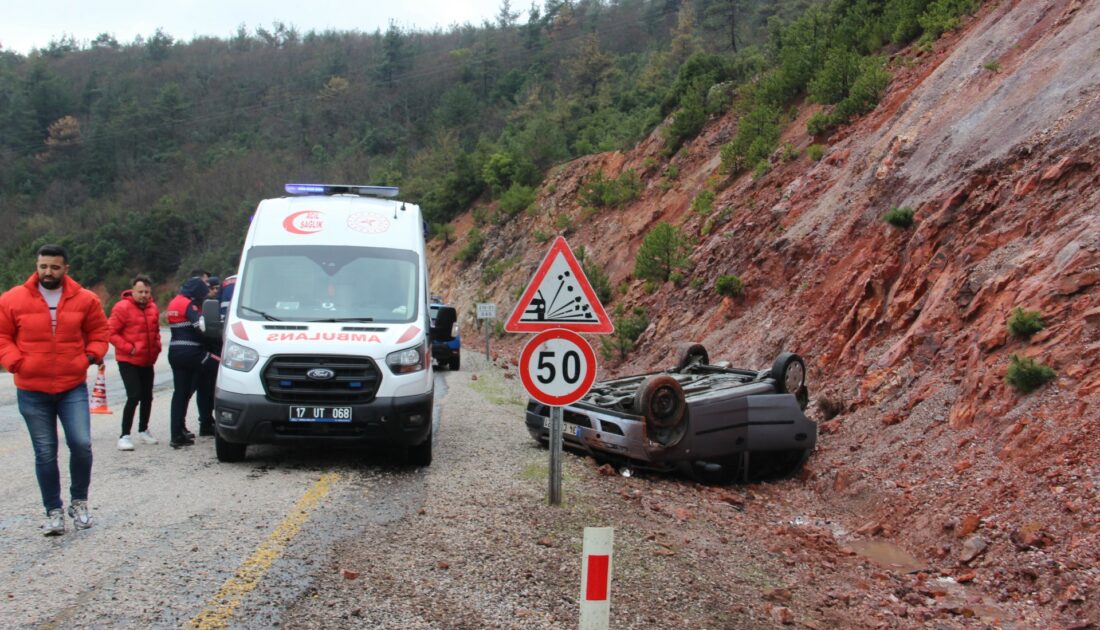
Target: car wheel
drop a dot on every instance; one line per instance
(691, 354)
(228, 451)
(660, 400)
(455, 363)
(789, 372)
(421, 454)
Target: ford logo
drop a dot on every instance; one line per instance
(320, 374)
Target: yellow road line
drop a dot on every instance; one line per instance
(220, 607)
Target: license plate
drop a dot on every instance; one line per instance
(320, 414)
(566, 427)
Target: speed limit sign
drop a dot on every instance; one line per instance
(557, 367)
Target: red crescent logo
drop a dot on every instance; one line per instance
(309, 222)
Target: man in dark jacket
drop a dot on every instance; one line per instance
(186, 353)
(208, 378)
(51, 330)
(135, 334)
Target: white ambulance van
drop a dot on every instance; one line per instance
(326, 338)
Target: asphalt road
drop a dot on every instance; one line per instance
(179, 538)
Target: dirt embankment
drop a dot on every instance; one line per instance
(993, 138)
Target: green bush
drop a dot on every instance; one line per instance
(944, 15)
(688, 121)
(1023, 324)
(600, 192)
(815, 152)
(627, 330)
(703, 202)
(729, 285)
(564, 223)
(757, 136)
(475, 241)
(1026, 375)
(899, 217)
(443, 231)
(597, 277)
(516, 199)
(663, 250)
(819, 123)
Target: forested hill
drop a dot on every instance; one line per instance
(150, 156)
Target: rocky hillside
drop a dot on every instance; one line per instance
(992, 137)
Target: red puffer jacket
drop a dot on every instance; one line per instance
(45, 361)
(135, 331)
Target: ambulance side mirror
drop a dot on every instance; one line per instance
(445, 319)
(212, 316)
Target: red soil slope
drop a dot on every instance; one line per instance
(904, 330)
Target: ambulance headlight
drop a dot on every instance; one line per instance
(408, 360)
(238, 357)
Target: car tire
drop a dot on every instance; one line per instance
(789, 372)
(421, 454)
(691, 353)
(660, 400)
(228, 452)
(455, 363)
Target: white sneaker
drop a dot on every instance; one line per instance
(146, 437)
(82, 518)
(125, 443)
(55, 523)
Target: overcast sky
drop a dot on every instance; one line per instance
(27, 24)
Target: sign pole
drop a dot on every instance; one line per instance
(556, 414)
(487, 340)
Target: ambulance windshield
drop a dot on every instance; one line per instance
(329, 283)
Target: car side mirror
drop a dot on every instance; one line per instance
(212, 316)
(445, 319)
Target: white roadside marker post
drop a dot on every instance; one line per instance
(596, 568)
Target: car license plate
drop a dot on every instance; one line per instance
(320, 414)
(566, 427)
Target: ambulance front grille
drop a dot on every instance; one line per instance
(355, 380)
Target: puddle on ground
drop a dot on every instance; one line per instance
(887, 554)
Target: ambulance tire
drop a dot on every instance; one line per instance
(228, 452)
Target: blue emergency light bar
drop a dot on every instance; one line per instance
(341, 189)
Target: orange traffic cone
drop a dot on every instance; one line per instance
(98, 402)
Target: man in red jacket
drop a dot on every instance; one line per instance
(135, 334)
(51, 330)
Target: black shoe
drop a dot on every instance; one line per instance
(187, 434)
(181, 441)
(206, 430)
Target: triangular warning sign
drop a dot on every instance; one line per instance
(559, 296)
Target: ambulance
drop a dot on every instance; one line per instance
(327, 335)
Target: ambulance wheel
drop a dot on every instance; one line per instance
(421, 454)
(228, 451)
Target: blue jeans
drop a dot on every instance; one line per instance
(41, 412)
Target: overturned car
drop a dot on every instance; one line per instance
(714, 422)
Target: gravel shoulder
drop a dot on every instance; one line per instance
(485, 550)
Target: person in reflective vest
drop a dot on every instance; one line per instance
(186, 353)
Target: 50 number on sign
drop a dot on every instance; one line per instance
(557, 367)
(571, 367)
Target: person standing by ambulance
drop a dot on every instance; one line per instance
(186, 354)
(135, 334)
(208, 378)
(51, 330)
